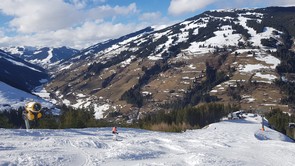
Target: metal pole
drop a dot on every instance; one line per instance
(262, 123)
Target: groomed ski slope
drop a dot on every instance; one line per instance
(235, 142)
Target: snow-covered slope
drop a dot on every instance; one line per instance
(236, 142)
(11, 97)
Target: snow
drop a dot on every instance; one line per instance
(256, 37)
(11, 97)
(13, 50)
(269, 77)
(269, 59)
(127, 61)
(48, 58)
(67, 102)
(230, 142)
(42, 93)
(223, 37)
(213, 91)
(81, 95)
(191, 66)
(66, 67)
(154, 58)
(146, 93)
(269, 63)
(100, 109)
(252, 67)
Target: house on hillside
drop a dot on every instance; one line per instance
(291, 125)
(235, 115)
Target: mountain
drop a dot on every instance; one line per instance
(20, 74)
(227, 56)
(47, 57)
(230, 142)
(105, 46)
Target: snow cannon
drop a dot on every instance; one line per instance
(32, 113)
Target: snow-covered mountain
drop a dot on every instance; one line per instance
(102, 47)
(47, 57)
(230, 56)
(230, 142)
(20, 74)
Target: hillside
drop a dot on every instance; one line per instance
(227, 56)
(235, 142)
(46, 57)
(20, 74)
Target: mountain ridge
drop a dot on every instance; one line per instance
(46, 57)
(130, 75)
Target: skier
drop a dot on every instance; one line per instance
(114, 131)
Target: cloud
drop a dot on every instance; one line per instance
(254, 3)
(31, 16)
(150, 16)
(36, 16)
(108, 11)
(79, 37)
(57, 23)
(283, 2)
(178, 7)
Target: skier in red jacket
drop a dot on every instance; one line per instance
(114, 131)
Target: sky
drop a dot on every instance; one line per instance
(82, 23)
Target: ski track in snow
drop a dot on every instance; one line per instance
(235, 142)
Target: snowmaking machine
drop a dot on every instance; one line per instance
(32, 112)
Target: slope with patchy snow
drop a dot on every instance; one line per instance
(107, 70)
(236, 142)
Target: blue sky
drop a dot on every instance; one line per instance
(81, 23)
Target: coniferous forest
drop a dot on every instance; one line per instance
(280, 122)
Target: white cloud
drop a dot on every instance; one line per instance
(32, 16)
(178, 7)
(56, 23)
(108, 11)
(156, 20)
(150, 16)
(36, 16)
(282, 2)
(80, 37)
(254, 3)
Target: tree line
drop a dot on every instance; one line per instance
(186, 118)
(280, 122)
(68, 118)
